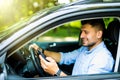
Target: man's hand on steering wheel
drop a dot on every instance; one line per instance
(36, 47)
(33, 48)
(49, 65)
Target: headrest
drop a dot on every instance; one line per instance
(113, 30)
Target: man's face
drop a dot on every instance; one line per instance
(90, 36)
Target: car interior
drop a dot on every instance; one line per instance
(25, 66)
(112, 33)
(111, 37)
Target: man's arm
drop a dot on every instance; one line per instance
(55, 55)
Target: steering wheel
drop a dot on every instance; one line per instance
(36, 62)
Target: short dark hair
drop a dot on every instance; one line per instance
(98, 23)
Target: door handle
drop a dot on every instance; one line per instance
(52, 45)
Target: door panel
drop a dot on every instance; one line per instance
(58, 46)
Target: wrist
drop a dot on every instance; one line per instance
(58, 73)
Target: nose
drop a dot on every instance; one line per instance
(82, 34)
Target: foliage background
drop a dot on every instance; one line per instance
(12, 11)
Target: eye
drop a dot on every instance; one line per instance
(86, 32)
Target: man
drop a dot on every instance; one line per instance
(92, 58)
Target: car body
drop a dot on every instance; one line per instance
(16, 62)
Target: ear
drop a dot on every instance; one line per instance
(99, 34)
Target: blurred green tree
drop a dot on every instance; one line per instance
(12, 11)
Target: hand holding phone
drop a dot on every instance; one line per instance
(40, 53)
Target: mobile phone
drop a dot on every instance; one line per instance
(40, 53)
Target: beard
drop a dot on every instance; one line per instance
(88, 44)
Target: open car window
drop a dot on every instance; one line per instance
(62, 38)
(63, 33)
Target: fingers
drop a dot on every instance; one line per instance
(43, 62)
(50, 59)
(49, 66)
(34, 46)
(42, 59)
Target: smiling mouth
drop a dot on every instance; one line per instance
(84, 41)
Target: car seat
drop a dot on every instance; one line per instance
(111, 37)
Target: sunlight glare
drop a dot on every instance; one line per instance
(63, 1)
(5, 4)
